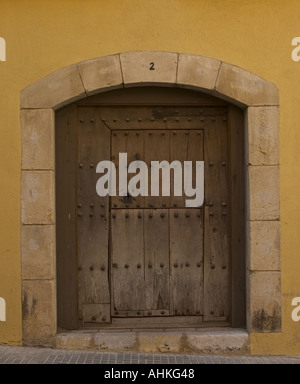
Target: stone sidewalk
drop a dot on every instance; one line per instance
(29, 355)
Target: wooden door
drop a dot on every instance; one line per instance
(151, 259)
(161, 252)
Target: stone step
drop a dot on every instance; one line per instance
(206, 341)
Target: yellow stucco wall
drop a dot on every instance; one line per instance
(44, 36)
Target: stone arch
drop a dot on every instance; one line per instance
(258, 97)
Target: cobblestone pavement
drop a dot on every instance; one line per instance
(29, 355)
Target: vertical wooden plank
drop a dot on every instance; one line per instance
(93, 211)
(186, 262)
(157, 148)
(186, 145)
(195, 150)
(131, 143)
(127, 262)
(238, 172)
(156, 232)
(179, 141)
(217, 223)
(66, 257)
(186, 233)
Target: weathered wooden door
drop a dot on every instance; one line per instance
(156, 243)
(153, 258)
(168, 259)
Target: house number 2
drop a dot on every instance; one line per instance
(152, 67)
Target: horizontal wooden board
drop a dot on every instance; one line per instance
(159, 321)
(160, 118)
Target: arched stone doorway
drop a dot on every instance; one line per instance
(39, 101)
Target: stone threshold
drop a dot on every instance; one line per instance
(202, 341)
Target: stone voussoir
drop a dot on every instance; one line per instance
(54, 91)
(242, 87)
(101, 74)
(142, 68)
(197, 72)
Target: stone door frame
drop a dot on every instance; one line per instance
(39, 101)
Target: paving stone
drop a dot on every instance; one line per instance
(29, 355)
